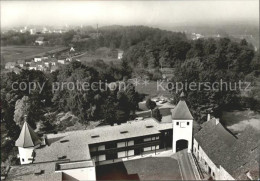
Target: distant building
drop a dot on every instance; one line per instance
(72, 49)
(54, 68)
(32, 31)
(196, 36)
(40, 41)
(62, 61)
(120, 54)
(224, 156)
(53, 61)
(21, 63)
(10, 65)
(32, 66)
(39, 59)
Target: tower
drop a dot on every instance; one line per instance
(26, 143)
(182, 121)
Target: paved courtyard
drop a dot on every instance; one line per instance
(151, 168)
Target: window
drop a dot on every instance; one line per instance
(177, 123)
(22, 160)
(188, 123)
(121, 154)
(213, 174)
(101, 147)
(62, 157)
(121, 144)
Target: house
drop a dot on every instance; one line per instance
(40, 41)
(10, 65)
(39, 59)
(21, 63)
(54, 68)
(72, 49)
(47, 63)
(32, 66)
(224, 156)
(53, 61)
(61, 61)
(28, 62)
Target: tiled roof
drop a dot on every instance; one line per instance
(236, 155)
(40, 39)
(65, 144)
(39, 172)
(27, 138)
(181, 111)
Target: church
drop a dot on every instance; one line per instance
(74, 155)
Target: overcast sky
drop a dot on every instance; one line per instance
(151, 13)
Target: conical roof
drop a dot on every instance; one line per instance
(27, 138)
(181, 111)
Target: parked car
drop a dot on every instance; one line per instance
(139, 118)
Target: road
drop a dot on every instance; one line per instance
(186, 168)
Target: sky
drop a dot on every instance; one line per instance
(149, 13)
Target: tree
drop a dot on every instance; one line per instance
(150, 104)
(156, 114)
(21, 109)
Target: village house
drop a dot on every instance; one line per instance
(224, 156)
(54, 68)
(75, 154)
(40, 41)
(120, 54)
(21, 63)
(53, 61)
(10, 65)
(32, 66)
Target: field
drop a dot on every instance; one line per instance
(14, 53)
(236, 121)
(88, 58)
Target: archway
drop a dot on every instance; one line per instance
(181, 145)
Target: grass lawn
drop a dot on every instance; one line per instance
(151, 168)
(14, 53)
(236, 121)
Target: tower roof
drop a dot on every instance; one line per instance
(28, 137)
(181, 111)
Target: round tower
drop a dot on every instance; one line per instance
(182, 121)
(26, 143)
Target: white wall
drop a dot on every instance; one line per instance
(224, 175)
(81, 174)
(202, 157)
(182, 131)
(25, 154)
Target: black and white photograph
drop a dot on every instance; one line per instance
(130, 90)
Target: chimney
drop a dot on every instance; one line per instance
(217, 121)
(208, 117)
